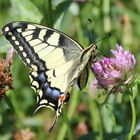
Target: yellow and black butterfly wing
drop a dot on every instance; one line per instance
(53, 57)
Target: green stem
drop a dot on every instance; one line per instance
(133, 117)
(100, 127)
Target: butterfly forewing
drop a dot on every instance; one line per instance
(52, 56)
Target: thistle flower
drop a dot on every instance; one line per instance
(5, 74)
(115, 72)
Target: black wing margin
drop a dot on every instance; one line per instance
(12, 32)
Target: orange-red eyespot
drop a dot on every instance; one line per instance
(62, 98)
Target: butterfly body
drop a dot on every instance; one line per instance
(55, 60)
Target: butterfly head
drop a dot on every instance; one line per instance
(88, 52)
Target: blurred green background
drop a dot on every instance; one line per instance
(83, 118)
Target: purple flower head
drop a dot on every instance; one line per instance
(118, 70)
(124, 58)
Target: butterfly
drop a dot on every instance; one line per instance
(55, 60)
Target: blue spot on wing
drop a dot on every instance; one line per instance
(56, 93)
(52, 95)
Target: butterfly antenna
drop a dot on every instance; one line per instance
(103, 38)
(53, 124)
(102, 52)
(91, 30)
(92, 38)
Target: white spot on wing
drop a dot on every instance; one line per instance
(16, 42)
(24, 54)
(33, 88)
(54, 39)
(20, 48)
(13, 38)
(44, 101)
(34, 73)
(35, 83)
(51, 104)
(34, 67)
(28, 61)
(31, 79)
(19, 30)
(10, 33)
(6, 29)
(31, 26)
(42, 34)
(40, 93)
(37, 99)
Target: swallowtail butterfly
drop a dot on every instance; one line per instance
(55, 60)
